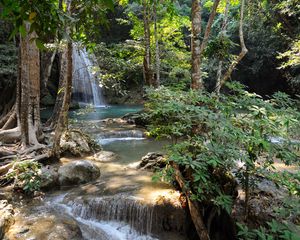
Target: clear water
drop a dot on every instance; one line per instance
(91, 113)
(133, 150)
(112, 111)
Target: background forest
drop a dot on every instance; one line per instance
(220, 80)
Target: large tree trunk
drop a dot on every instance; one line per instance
(147, 69)
(156, 83)
(24, 123)
(196, 45)
(30, 91)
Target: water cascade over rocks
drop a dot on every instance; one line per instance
(86, 89)
(129, 215)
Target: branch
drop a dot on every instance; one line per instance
(209, 24)
(243, 46)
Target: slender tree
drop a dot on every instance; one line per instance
(157, 50)
(222, 34)
(243, 52)
(197, 47)
(147, 68)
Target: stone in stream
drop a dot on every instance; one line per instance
(6, 217)
(44, 226)
(49, 177)
(152, 160)
(105, 156)
(79, 171)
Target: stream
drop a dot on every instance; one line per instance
(123, 203)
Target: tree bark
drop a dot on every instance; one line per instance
(243, 52)
(147, 69)
(52, 121)
(63, 114)
(157, 51)
(195, 45)
(223, 31)
(27, 109)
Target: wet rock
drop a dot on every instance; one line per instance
(152, 160)
(49, 177)
(105, 156)
(6, 217)
(44, 226)
(74, 143)
(136, 118)
(81, 171)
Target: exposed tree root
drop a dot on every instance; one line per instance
(5, 118)
(11, 135)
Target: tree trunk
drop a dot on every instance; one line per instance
(243, 46)
(52, 121)
(67, 91)
(223, 31)
(157, 52)
(47, 59)
(195, 45)
(147, 69)
(27, 108)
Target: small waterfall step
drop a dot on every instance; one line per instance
(126, 213)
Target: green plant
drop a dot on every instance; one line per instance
(215, 140)
(26, 176)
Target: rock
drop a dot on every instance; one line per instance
(105, 156)
(46, 226)
(6, 217)
(49, 177)
(152, 160)
(136, 118)
(80, 171)
(76, 143)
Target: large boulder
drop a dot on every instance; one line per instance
(77, 143)
(105, 156)
(152, 161)
(49, 177)
(79, 171)
(6, 217)
(44, 225)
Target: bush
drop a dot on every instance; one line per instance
(214, 139)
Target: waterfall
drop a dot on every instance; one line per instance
(86, 90)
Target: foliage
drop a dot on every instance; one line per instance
(26, 175)
(274, 231)
(120, 65)
(216, 137)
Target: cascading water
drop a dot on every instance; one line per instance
(86, 90)
(121, 217)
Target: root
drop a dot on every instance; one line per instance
(11, 122)
(10, 136)
(34, 148)
(4, 118)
